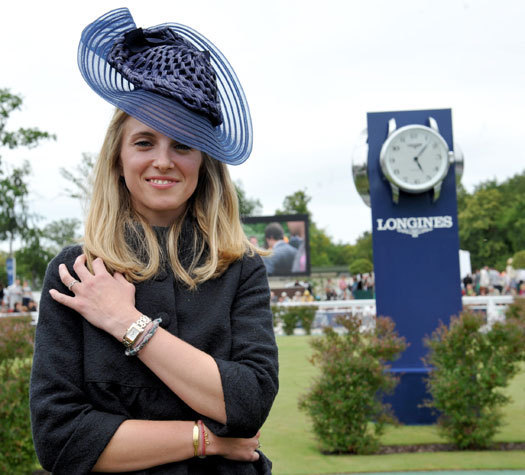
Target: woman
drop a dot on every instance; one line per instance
(165, 269)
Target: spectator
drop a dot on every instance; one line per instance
(484, 280)
(2, 295)
(281, 260)
(14, 294)
(27, 294)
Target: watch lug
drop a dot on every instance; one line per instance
(395, 193)
(433, 124)
(391, 126)
(437, 192)
(451, 157)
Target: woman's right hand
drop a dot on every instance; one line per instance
(243, 450)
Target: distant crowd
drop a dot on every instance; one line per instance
(488, 281)
(17, 298)
(359, 286)
(485, 281)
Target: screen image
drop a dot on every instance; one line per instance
(286, 236)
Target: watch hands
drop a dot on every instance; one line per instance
(418, 164)
(416, 158)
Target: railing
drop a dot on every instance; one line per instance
(479, 302)
(494, 307)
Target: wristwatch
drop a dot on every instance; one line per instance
(135, 330)
(415, 158)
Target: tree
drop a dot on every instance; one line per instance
(492, 221)
(15, 219)
(61, 233)
(32, 259)
(361, 266)
(21, 137)
(14, 211)
(296, 203)
(80, 177)
(480, 231)
(518, 261)
(320, 245)
(41, 245)
(247, 206)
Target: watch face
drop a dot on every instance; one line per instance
(415, 158)
(133, 332)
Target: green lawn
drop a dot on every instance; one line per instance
(287, 439)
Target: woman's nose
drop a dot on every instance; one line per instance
(163, 159)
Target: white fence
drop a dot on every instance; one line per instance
(494, 306)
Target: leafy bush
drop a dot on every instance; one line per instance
(290, 319)
(293, 315)
(306, 315)
(17, 337)
(17, 455)
(516, 311)
(470, 363)
(344, 401)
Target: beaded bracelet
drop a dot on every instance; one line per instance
(153, 329)
(205, 440)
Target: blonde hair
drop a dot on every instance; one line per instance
(112, 225)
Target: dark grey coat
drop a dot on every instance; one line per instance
(83, 386)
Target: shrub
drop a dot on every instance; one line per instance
(306, 315)
(17, 337)
(290, 319)
(293, 315)
(470, 363)
(516, 311)
(17, 455)
(276, 314)
(344, 401)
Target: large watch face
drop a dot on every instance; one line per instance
(415, 158)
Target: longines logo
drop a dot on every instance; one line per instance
(414, 226)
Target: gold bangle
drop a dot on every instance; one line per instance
(195, 439)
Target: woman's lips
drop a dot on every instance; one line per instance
(161, 182)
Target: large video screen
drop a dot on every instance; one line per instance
(286, 236)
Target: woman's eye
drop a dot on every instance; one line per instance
(181, 146)
(143, 143)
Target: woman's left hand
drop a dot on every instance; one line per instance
(106, 301)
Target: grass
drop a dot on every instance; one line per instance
(289, 442)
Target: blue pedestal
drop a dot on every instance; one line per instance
(417, 278)
(409, 396)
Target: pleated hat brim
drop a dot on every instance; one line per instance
(230, 142)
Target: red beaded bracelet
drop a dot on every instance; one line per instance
(204, 439)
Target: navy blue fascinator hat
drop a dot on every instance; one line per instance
(171, 78)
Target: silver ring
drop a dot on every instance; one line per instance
(71, 284)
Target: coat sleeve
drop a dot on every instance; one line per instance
(250, 377)
(68, 432)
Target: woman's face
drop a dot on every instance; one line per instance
(160, 173)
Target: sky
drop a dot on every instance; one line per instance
(311, 71)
